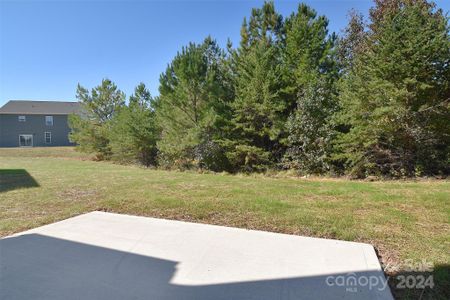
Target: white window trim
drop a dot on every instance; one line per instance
(50, 118)
(45, 137)
(22, 118)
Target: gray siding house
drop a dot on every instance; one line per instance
(36, 123)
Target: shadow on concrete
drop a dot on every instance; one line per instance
(34, 266)
(12, 179)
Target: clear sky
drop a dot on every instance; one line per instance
(47, 47)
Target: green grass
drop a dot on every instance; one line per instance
(402, 219)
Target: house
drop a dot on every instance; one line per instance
(36, 123)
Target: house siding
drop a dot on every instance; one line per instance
(11, 128)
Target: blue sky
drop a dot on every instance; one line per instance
(47, 47)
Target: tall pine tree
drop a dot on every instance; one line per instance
(193, 106)
(395, 100)
(257, 109)
(310, 72)
(133, 131)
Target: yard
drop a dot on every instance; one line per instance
(404, 220)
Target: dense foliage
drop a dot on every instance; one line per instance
(395, 97)
(133, 132)
(292, 95)
(90, 130)
(192, 107)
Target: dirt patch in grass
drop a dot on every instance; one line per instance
(78, 194)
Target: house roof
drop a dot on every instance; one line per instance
(27, 107)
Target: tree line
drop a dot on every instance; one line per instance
(374, 100)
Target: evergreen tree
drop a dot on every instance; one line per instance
(310, 74)
(375, 101)
(395, 100)
(133, 132)
(103, 101)
(308, 54)
(193, 106)
(90, 131)
(257, 122)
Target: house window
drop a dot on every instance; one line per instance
(26, 140)
(49, 120)
(48, 137)
(22, 119)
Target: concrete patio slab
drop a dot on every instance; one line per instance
(110, 256)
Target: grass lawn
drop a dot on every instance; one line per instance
(404, 220)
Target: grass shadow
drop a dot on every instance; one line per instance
(13, 179)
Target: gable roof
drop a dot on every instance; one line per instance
(40, 107)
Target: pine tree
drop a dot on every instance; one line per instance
(90, 131)
(103, 101)
(193, 105)
(257, 107)
(133, 131)
(308, 54)
(396, 98)
(310, 72)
